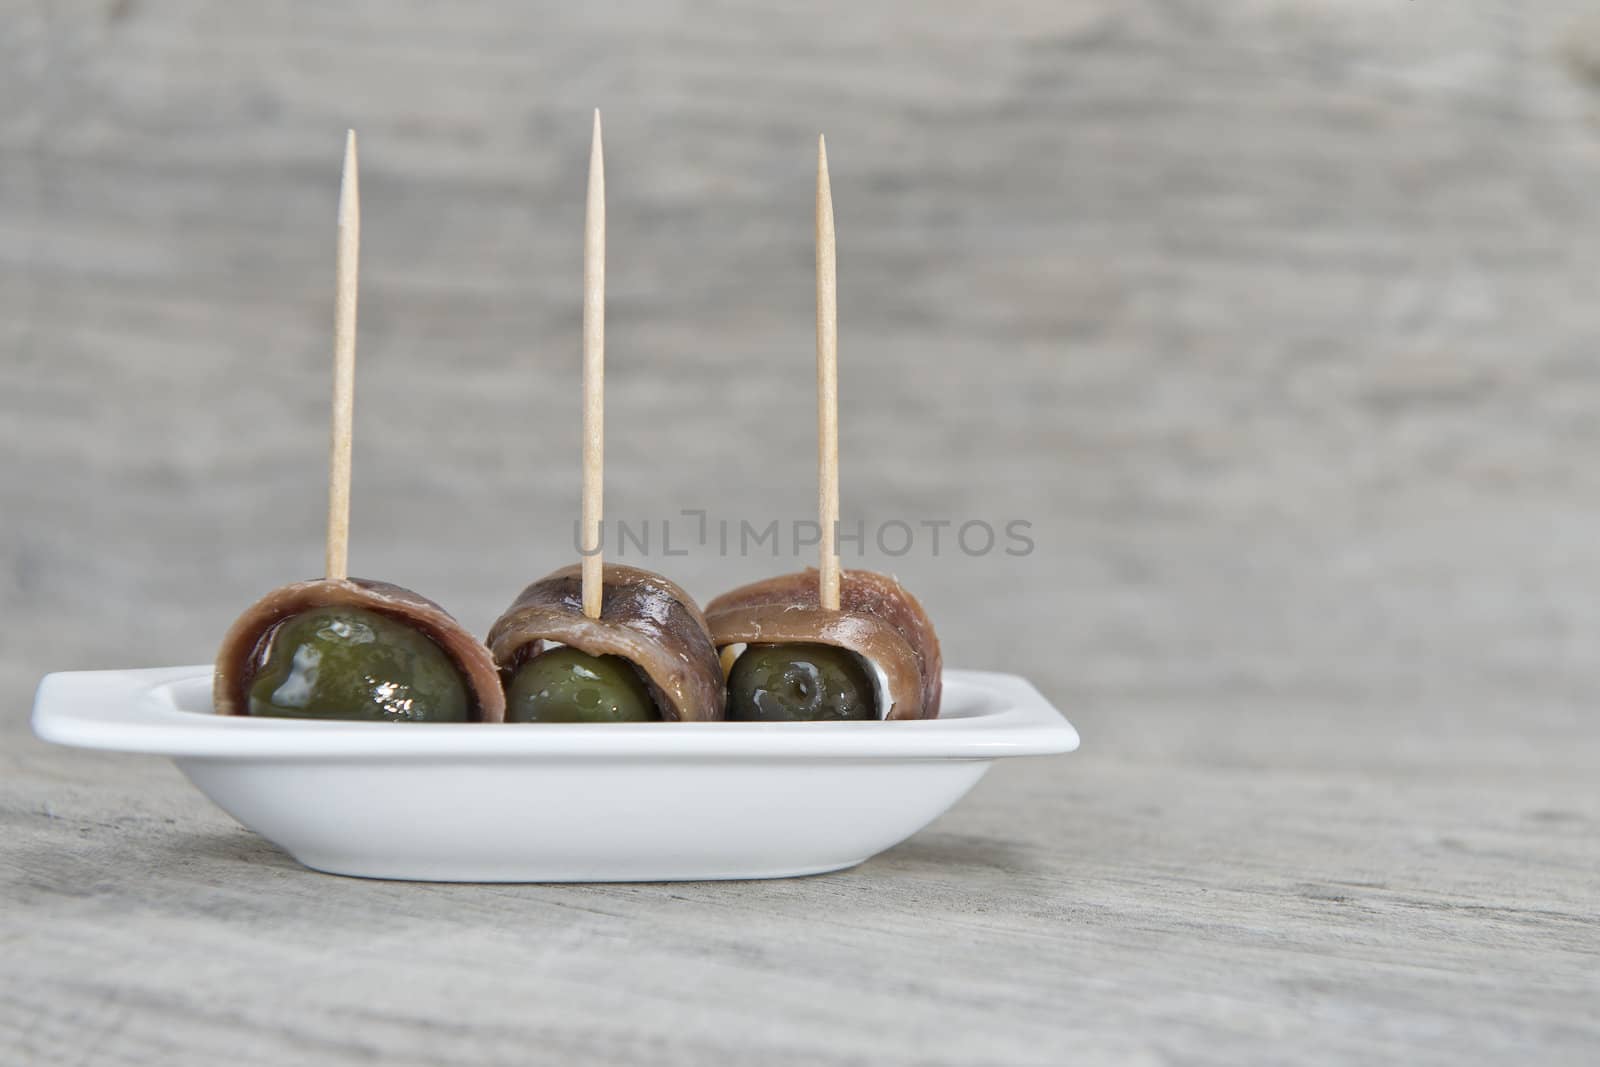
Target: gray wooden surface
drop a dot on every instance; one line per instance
(1278, 320)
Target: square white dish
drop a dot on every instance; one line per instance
(560, 802)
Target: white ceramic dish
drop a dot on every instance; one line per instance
(562, 803)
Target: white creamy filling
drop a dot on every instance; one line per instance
(881, 678)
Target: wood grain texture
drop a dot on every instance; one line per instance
(1277, 320)
(346, 294)
(828, 566)
(592, 513)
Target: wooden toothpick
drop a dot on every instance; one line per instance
(346, 268)
(827, 388)
(594, 371)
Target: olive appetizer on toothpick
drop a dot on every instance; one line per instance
(596, 642)
(826, 644)
(349, 648)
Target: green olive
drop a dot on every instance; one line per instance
(801, 682)
(565, 685)
(348, 663)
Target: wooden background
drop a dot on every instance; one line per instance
(1276, 319)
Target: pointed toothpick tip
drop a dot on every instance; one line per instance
(824, 183)
(596, 153)
(349, 204)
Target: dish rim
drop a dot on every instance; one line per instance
(135, 711)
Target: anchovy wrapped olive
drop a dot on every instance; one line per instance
(354, 649)
(789, 659)
(648, 656)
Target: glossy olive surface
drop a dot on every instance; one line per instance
(347, 663)
(798, 683)
(565, 685)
